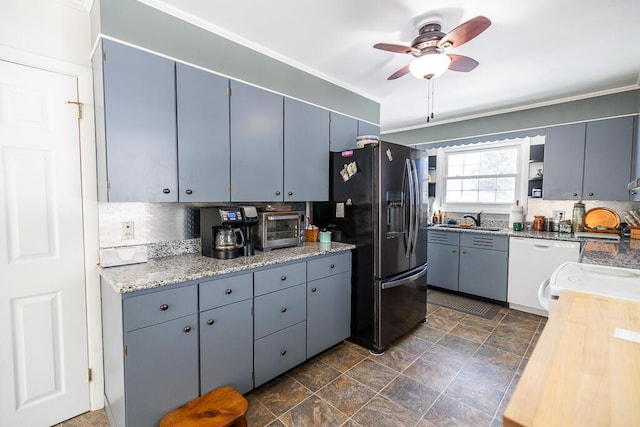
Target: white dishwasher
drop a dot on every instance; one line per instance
(531, 261)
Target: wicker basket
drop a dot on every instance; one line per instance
(311, 235)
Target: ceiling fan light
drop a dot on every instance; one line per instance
(430, 65)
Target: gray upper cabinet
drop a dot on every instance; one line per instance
(366, 128)
(563, 162)
(203, 135)
(306, 152)
(256, 144)
(137, 133)
(608, 159)
(343, 132)
(589, 161)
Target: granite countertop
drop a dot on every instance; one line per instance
(624, 253)
(181, 268)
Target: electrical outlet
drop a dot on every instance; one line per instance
(127, 230)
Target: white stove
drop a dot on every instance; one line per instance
(615, 282)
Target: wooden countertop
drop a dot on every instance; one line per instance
(580, 374)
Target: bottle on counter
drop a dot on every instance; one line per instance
(439, 217)
(577, 219)
(516, 214)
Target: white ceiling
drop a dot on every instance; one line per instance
(536, 52)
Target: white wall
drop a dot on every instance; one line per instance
(54, 35)
(57, 29)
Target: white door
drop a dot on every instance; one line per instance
(43, 330)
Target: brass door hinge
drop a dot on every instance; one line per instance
(89, 374)
(78, 106)
(104, 56)
(126, 352)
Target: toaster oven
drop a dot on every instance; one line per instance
(278, 230)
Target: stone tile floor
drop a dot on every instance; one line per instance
(455, 370)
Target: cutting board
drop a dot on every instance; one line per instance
(588, 235)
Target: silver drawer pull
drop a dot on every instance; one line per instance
(187, 329)
(332, 266)
(210, 322)
(283, 278)
(164, 307)
(283, 352)
(283, 309)
(228, 291)
(314, 289)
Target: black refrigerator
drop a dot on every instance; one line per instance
(379, 203)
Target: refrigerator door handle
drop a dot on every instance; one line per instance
(410, 243)
(416, 203)
(405, 279)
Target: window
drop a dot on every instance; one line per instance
(485, 176)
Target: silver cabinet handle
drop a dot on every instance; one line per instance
(166, 190)
(283, 352)
(210, 322)
(283, 309)
(164, 307)
(187, 329)
(228, 291)
(283, 278)
(189, 191)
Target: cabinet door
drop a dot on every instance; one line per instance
(343, 132)
(483, 273)
(203, 135)
(306, 152)
(442, 270)
(607, 159)
(279, 352)
(161, 369)
(140, 125)
(564, 162)
(328, 312)
(256, 144)
(226, 347)
(365, 128)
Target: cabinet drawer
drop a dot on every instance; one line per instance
(328, 266)
(157, 307)
(279, 310)
(443, 237)
(219, 292)
(277, 278)
(483, 241)
(279, 352)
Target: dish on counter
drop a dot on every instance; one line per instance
(601, 220)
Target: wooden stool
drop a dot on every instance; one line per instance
(221, 407)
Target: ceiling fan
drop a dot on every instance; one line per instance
(430, 46)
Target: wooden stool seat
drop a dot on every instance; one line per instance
(221, 407)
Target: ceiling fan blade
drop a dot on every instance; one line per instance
(465, 32)
(397, 48)
(462, 63)
(401, 72)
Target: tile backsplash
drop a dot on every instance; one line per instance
(152, 223)
(545, 207)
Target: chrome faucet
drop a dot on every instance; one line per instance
(476, 219)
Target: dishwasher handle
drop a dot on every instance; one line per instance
(543, 294)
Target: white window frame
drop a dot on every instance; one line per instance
(522, 172)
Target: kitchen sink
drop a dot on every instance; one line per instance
(467, 227)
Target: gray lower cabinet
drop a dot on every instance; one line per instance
(203, 135)
(328, 302)
(306, 152)
(150, 344)
(256, 144)
(576, 156)
(472, 263)
(442, 259)
(344, 131)
(484, 264)
(226, 333)
(135, 125)
(163, 347)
